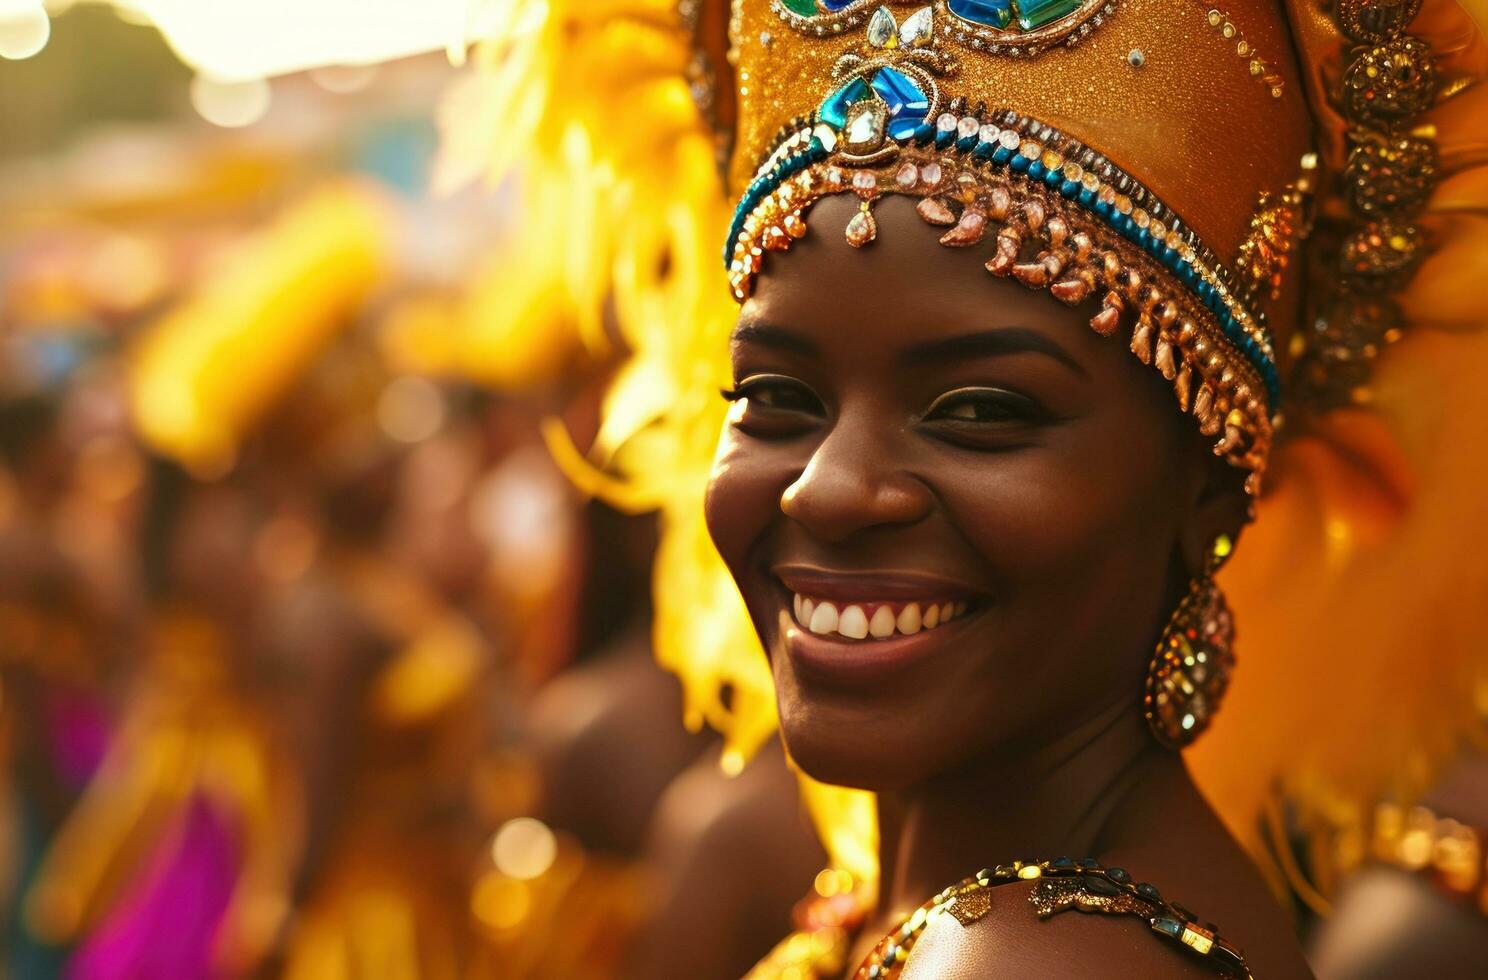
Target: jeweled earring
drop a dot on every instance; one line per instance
(1191, 666)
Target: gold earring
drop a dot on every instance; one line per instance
(1191, 666)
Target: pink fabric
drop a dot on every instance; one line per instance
(167, 921)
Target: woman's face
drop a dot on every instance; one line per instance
(957, 514)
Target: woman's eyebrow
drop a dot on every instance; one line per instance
(771, 335)
(990, 343)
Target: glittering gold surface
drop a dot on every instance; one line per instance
(1190, 122)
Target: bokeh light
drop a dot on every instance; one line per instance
(410, 409)
(524, 848)
(24, 28)
(230, 104)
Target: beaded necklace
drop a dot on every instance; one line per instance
(1063, 884)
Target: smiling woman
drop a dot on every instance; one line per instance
(973, 450)
(969, 524)
(959, 519)
(977, 531)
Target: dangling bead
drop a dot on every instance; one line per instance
(1203, 410)
(1008, 244)
(999, 200)
(1083, 246)
(1033, 210)
(936, 211)
(1229, 442)
(862, 229)
(1031, 274)
(1108, 320)
(1073, 291)
(1165, 357)
(968, 230)
(1141, 342)
(1182, 385)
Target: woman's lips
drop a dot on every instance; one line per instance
(861, 627)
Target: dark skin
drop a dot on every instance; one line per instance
(905, 425)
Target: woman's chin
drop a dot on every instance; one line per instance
(854, 756)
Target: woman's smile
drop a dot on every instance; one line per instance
(863, 627)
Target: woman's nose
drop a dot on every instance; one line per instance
(854, 482)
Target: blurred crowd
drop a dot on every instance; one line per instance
(313, 663)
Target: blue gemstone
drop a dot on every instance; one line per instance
(993, 13)
(1168, 927)
(1033, 14)
(1020, 163)
(966, 143)
(1036, 170)
(833, 111)
(836, 4)
(1001, 154)
(907, 104)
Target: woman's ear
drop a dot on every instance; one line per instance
(1221, 508)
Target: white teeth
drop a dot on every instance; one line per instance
(824, 619)
(854, 623)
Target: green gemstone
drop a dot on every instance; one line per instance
(806, 8)
(1033, 14)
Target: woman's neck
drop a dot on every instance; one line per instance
(1042, 802)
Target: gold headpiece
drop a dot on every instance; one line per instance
(1142, 155)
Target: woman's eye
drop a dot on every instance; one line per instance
(775, 397)
(985, 406)
(775, 392)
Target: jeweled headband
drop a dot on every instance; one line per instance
(973, 106)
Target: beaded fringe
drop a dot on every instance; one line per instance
(1043, 242)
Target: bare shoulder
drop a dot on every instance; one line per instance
(1012, 940)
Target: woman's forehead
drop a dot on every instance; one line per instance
(902, 289)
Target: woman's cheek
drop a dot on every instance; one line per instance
(743, 495)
